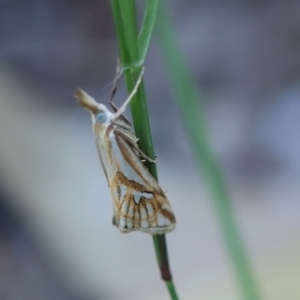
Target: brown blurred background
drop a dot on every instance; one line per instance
(56, 236)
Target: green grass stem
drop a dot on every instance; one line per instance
(187, 98)
(132, 50)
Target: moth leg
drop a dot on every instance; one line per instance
(114, 91)
(145, 156)
(123, 107)
(131, 140)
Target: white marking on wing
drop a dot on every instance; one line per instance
(123, 190)
(143, 213)
(137, 196)
(144, 224)
(167, 222)
(122, 222)
(147, 195)
(149, 209)
(160, 220)
(129, 224)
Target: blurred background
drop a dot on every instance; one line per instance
(56, 235)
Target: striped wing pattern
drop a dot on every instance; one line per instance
(138, 201)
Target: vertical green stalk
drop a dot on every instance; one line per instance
(132, 53)
(187, 97)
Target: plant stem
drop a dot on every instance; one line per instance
(129, 49)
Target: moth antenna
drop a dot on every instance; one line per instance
(119, 72)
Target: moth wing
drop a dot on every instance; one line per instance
(130, 163)
(139, 203)
(101, 160)
(109, 162)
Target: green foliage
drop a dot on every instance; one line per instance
(133, 47)
(132, 50)
(187, 98)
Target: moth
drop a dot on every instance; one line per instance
(138, 201)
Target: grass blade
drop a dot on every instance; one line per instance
(126, 28)
(187, 99)
(147, 28)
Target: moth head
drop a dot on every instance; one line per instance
(103, 115)
(100, 113)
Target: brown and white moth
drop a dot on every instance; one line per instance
(138, 201)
